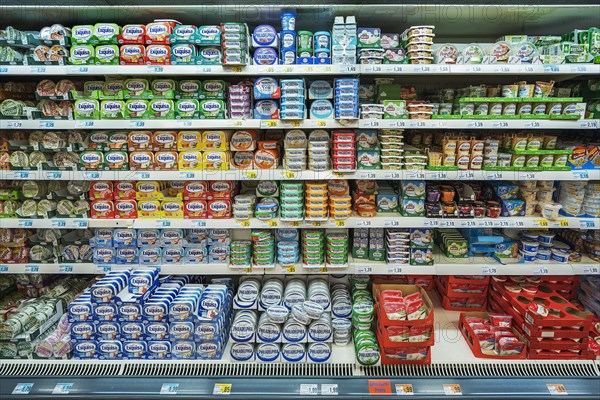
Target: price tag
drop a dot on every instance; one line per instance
(563, 223)
(84, 124)
(54, 175)
(532, 124)
(419, 124)
(62, 388)
(475, 124)
(392, 175)
(291, 269)
(430, 223)
(363, 223)
(489, 271)
(272, 223)
(494, 175)
(247, 270)
(142, 175)
(32, 269)
(443, 68)
(271, 123)
(580, 175)
(443, 223)
(452, 389)
(329, 389)
(503, 69)
(588, 124)
(394, 269)
(590, 270)
(338, 174)
(25, 223)
(65, 269)
(91, 174)
(390, 223)
(404, 389)
(475, 68)
(14, 124)
(163, 224)
(557, 389)
(102, 269)
(309, 389)
(38, 70)
(397, 124)
(500, 124)
(372, 123)
(22, 174)
(518, 224)
(486, 223)
(323, 270)
(551, 68)
(467, 223)
(3, 268)
(380, 387)
(137, 124)
(244, 224)
(340, 223)
(222, 388)
(501, 223)
(540, 223)
(80, 223)
(251, 175)
(416, 175)
(441, 175)
(236, 123)
(58, 223)
(294, 223)
(348, 68)
(22, 388)
(198, 223)
(527, 176)
(366, 175)
(169, 388)
(540, 271)
(155, 69)
(289, 175)
(586, 224)
(466, 175)
(321, 123)
(364, 270)
(316, 223)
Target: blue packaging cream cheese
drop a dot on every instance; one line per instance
(265, 56)
(265, 36)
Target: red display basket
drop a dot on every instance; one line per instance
(406, 290)
(384, 340)
(450, 286)
(387, 353)
(473, 343)
(477, 303)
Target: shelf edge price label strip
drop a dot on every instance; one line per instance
(557, 389)
(222, 389)
(169, 388)
(380, 387)
(309, 389)
(404, 389)
(329, 389)
(22, 388)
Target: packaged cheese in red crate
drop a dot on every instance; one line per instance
(464, 286)
(461, 301)
(425, 281)
(405, 318)
(492, 336)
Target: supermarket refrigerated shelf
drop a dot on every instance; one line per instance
(51, 124)
(382, 220)
(292, 70)
(284, 174)
(452, 364)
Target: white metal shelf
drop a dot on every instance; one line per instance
(283, 174)
(382, 220)
(49, 124)
(258, 70)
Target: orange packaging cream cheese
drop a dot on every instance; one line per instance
(126, 209)
(316, 188)
(132, 54)
(221, 190)
(340, 201)
(338, 187)
(132, 33)
(171, 209)
(101, 190)
(216, 160)
(265, 158)
(195, 190)
(243, 140)
(140, 140)
(190, 160)
(242, 160)
(165, 140)
(148, 190)
(141, 160)
(195, 209)
(102, 209)
(125, 190)
(268, 145)
(159, 32)
(189, 140)
(166, 160)
(219, 209)
(148, 209)
(310, 214)
(215, 140)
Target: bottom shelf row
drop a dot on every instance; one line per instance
(342, 319)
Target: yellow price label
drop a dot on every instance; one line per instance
(290, 175)
(288, 69)
(542, 222)
(316, 223)
(270, 69)
(251, 174)
(222, 389)
(294, 223)
(323, 269)
(271, 123)
(272, 222)
(295, 124)
(340, 223)
(248, 270)
(338, 174)
(321, 123)
(236, 123)
(308, 69)
(327, 69)
(563, 222)
(291, 269)
(245, 224)
(236, 69)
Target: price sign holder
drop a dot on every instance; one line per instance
(380, 387)
(557, 389)
(169, 388)
(452, 389)
(404, 389)
(222, 389)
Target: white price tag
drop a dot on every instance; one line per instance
(404, 389)
(22, 388)
(532, 124)
(309, 389)
(103, 269)
(590, 270)
(475, 124)
(587, 224)
(445, 223)
(14, 124)
(431, 223)
(441, 175)
(415, 175)
(54, 174)
(469, 223)
(59, 223)
(82, 124)
(329, 389)
(366, 175)
(466, 175)
(222, 389)
(540, 271)
(25, 223)
(527, 176)
(494, 175)
(580, 175)
(142, 175)
(500, 124)
(169, 388)
(391, 223)
(588, 124)
(392, 175)
(489, 271)
(363, 223)
(452, 389)
(62, 388)
(499, 223)
(557, 389)
(364, 270)
(65, 269)
(397, 124)
(394, 269)
(32, 269)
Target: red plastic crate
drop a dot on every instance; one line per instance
(473, 343)
(447, 302)
(384, 340)
(387, 352)
(451, 286)
(406, 290)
